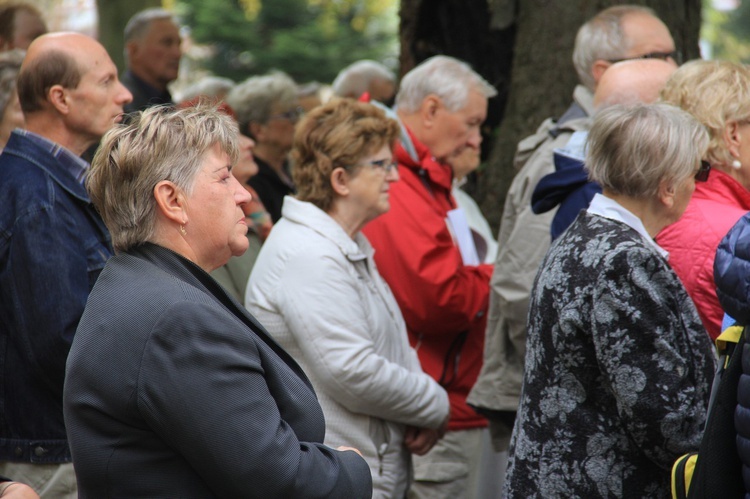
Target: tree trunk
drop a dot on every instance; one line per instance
(523, 47)
(113, 16)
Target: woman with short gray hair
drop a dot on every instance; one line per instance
(267, 109)
(618, 366)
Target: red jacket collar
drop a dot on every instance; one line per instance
(438, 173)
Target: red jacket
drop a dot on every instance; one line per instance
(715, 207)
(443, 301)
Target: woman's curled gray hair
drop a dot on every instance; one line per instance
(160, 143)
(633, 149)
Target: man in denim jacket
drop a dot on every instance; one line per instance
(52, 247)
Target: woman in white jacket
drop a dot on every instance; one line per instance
(316, 289)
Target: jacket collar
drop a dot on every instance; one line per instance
(722, 186)
(183, 269)
(22, 146)
(312, 217)
(412, 154)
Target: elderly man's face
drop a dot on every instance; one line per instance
(455, 131)
(156, 57)
(96, 104)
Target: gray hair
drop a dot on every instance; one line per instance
(603, 37)
(445, 77)
(208, 86)
(633, 149)
(10, 65)
(139, 24)
(354, 80)
(160, 143)
(253, 99)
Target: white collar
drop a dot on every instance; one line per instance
(611, 209)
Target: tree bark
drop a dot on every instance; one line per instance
(113, 16)
(523, 47)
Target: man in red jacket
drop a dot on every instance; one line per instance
(441, 105)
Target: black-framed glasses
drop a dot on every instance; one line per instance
(675, 55)
(387, 165)
(703, 171)
(291, 115)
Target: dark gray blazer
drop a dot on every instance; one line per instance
(172, 389)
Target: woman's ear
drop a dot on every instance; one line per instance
(666, 193)
(170, 202)
(340, 181)
(732, 138)
(256, 130)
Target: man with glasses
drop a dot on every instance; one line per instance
(267, 109)
(441, 105)
(617, 33)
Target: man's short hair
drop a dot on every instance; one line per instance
(55, 67)
(8, 13)
(603, 37)
(355, 79)
(139, 24)
(445, 77)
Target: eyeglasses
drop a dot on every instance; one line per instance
(291, 115)
(703, 171)
(387, 165)
(675, 55)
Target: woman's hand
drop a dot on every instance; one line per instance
(420, 440)
(16, 490)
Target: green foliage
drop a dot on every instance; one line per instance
(727, 32)
(308, 39)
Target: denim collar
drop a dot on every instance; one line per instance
(67, 169)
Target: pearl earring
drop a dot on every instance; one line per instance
(736, 164)
(182, 229)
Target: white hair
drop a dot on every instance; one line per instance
(445, 77)
(633, 149)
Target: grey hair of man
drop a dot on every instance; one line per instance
(10, 65)
(446, 77)
(139, 24)
(253, 99)
(603, 37)
(632, 150)
(160, 143)
(354, 80)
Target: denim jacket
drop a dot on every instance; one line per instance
(53, 244)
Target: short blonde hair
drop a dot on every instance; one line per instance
(715, 92)
(337, 134)
(633, 149)
(160, 143)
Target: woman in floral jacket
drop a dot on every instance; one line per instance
(618, 365)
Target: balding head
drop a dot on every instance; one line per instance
(68, 89)
(632, 82)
